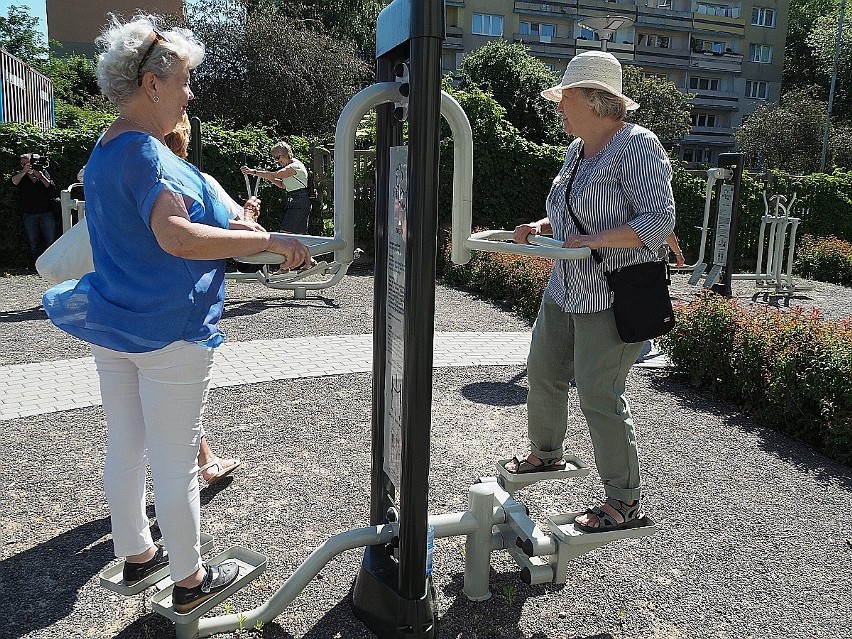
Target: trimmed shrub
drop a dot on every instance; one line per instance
(826, 259)
(792, 369)
(516, 281)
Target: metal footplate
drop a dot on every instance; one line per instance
(511, 482)
(111, 578)
(251, 564)
(713, 276)
(697, 274)
(572, 542)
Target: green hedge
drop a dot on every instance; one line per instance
(68, 149)
(791, 369)
(826, 259)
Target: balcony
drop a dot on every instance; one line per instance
(709, 61)
(664, 19)
(709, 135)
(715, 100)
(454, 38)
(659, 57)
(552, 9)
(622, 51)
(549, 47)
(704, 23)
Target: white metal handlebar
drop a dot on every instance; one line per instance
(500, 241)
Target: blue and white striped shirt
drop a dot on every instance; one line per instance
(628, 182)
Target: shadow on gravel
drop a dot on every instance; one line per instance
(23, 315)
(496, 617)
(796, 453)
(776, 300)
(241, 308)
(508, 393)
(39, 586)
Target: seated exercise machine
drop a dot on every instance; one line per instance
(393, 592)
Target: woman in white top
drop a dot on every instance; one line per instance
(293, 177)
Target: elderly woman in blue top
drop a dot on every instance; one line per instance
(617, 180)
(151, 309)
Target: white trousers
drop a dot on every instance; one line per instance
(154, 403)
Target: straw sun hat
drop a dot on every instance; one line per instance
(593, 70)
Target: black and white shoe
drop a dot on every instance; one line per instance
(217, 579)
(133, 573)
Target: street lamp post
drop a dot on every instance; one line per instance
(831, 90)
(606, 27)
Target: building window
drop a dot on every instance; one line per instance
(760, 53)
(453, 17)
(757, 89)
(588, 34)
(656, 76)
(538, 29)
(723, 10)
(761, 17)
(704, 119)
(710, 46)
(654, 40)
(692, 155)
(487, 24)
(704, 84)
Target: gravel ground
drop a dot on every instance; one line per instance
(754, 528)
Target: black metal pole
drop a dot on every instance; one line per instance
(424, 119)
(388, 134)
(736, 161)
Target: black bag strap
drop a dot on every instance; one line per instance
(597, 257)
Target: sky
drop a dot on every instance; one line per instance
(36, 8)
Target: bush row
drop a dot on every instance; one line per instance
(826, 259)
(791, 370)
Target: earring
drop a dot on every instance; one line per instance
(156, 98)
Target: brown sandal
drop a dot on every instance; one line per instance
(631, 514)
(526, 466)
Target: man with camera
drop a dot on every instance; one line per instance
(37, 193)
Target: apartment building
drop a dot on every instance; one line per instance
(76, 23)
(728, 53)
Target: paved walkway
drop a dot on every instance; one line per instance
(47, 387)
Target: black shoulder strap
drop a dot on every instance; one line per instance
(577, 222)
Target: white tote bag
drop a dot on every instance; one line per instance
(69, 257)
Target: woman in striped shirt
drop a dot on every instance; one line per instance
(613, 194)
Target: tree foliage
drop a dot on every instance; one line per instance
(822, 40)
(662, 107)
(763, 134)
(265, 66)
(800, 64)
(516, 79)
(20, 36)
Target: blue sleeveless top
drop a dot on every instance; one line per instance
(141, 298)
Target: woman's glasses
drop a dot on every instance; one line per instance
(158, 37)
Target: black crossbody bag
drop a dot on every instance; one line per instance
(640, 293)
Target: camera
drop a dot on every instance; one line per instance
(39, 162)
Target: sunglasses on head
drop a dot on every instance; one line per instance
(158, 37)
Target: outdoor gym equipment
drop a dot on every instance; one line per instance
(775, 228)
(393, 593)
(729, 174)
(724, 182)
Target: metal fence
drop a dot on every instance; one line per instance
(25, 94)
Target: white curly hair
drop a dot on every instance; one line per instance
(125, 45)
